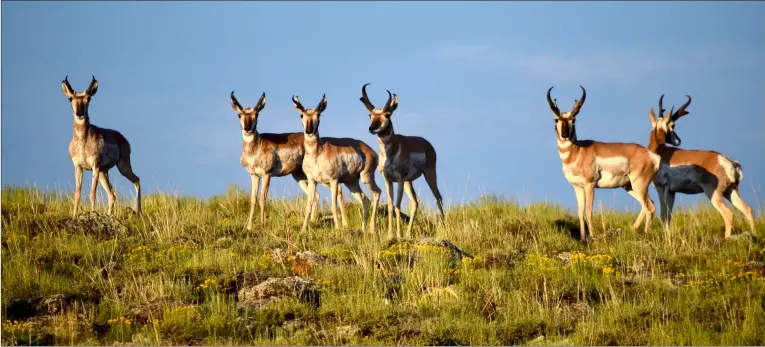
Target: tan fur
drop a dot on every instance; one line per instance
(590, 164)
(333, 161)
(694, 171)
(97, 149)
(403, 159)
(270, 155)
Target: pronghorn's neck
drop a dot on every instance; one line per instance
(656, 140)
(566, 147)
(81, 126)
(251, 140)
(386, 135)
(312, 143)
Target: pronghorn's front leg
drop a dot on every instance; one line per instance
(94, 186)
(77, 189)
(263, 196)
(389, 191)
(589, 196)
(255, 180)
(111, 195)
(580, 211)
(669, 204)
(413, 206)
(333, 187)
(309, 203)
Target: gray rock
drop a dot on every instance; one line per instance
(305, 289)
(94, 223)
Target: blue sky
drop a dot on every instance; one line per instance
(471, 78)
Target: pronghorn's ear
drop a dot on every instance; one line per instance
(67, 88)
(652, 117)
(668, 115)
(322, 104)
(393, 104)
(261, 103)
(298, 105)
(235, 104)
(93, 87)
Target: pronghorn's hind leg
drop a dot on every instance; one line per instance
(111, 193)
(715, 196)
(355, 188)
(341, 204)
(303, 183)
(431, 178)
(735, 198)
(368, 178)
(389, 191)
(123, 165)
(639, 191)
(94, 186)
(413, 206)
(635, 194)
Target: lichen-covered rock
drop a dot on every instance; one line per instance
(223, 242)
(311, 257)
(305, 289)
(347, 332)
(94, 223)
(24, 308)
(153, 309)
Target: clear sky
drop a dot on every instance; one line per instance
(471, 78)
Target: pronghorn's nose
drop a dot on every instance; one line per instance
(372, 129)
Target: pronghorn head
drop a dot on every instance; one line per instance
(379, 117)
(310, 117)
(664, 126)
(79, 100)
(248, 117)
(564, 122)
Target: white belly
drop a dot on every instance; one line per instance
(612, 172)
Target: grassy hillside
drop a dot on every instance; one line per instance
(187, 273)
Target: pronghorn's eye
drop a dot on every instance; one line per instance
(555, 120)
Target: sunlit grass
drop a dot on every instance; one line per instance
(172, 277)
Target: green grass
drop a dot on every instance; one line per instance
(172, 276)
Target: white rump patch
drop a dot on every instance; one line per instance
(729, 167)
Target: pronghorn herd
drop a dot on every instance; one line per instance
(312, 160)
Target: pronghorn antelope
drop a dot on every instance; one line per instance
(332, 161)
(403, 159)
(694, 171)
(97, 149)
(270, 155)
(590, 164)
